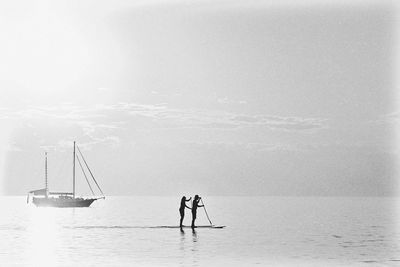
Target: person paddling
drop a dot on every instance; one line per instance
(195, 205)
(182, 209)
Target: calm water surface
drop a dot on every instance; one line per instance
(273, 231)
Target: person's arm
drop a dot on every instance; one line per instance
(200, 205)
(189, 199)
(188, 207)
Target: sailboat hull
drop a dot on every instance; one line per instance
(63, 202)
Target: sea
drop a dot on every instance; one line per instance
(260, 231)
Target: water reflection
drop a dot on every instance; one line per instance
(195, 248)
(42, 238)
(183, 248)
(182, 240)
(194, 234)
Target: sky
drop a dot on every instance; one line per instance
(210, 97)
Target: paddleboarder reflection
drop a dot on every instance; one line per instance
(195, 205)
(182, 209)
(194, 234)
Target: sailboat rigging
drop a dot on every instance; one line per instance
(45, 198)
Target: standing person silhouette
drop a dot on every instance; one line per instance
(182, 209)
(195, 205)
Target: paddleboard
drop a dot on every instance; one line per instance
(186, 226)
(142, 227)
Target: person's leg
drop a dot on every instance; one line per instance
(182, 216)
(193, 219)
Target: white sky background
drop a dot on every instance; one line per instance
(208, 97)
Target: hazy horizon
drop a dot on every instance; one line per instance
(209, 97)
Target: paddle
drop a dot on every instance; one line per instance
(206, 211)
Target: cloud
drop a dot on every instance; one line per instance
(93, 124)
(282, 123)
(113, 141)
(104, 123)
(389, 118)
(226, 100)
(168, 117)
(393, 117)
(250, 146)
(93, 118)
(283, 147)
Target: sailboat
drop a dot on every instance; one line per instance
(45, 198)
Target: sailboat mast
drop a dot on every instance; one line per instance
(45, 175)
(73, 173)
